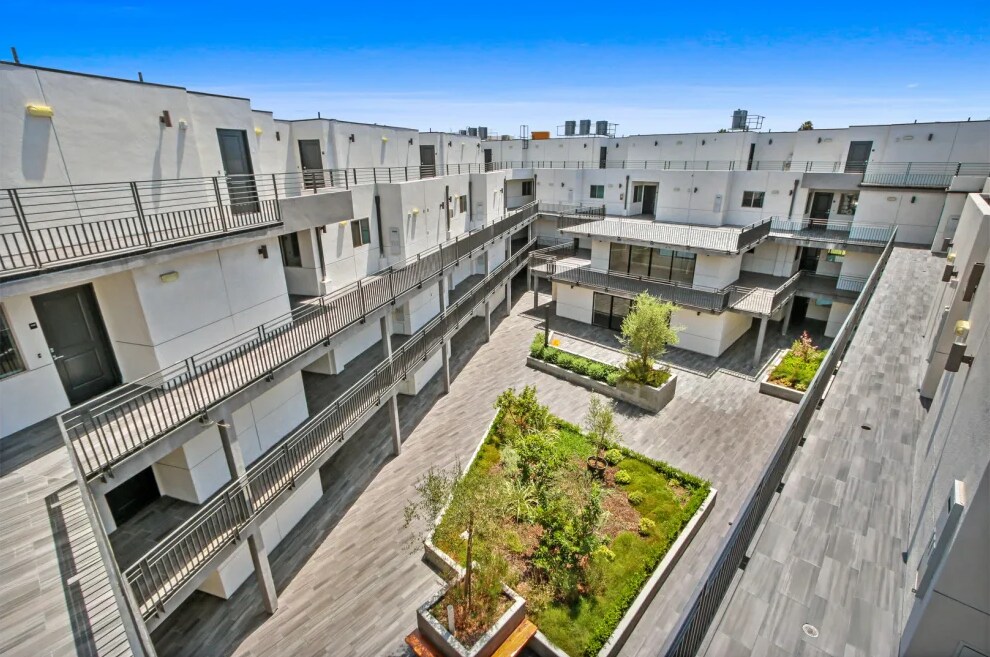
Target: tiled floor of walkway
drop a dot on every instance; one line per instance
(348, 583)
(830, 549)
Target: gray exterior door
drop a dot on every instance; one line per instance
(821, 207)
(649, 199)
(859, 155)
(236, 157)
(602, 157)
(77, 339)
(311, 158)
(427, 161)
(488, 159)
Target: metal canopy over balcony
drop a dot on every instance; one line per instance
(717, 239)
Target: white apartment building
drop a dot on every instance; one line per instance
(175, 265)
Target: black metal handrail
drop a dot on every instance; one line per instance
(693, 625)
(684, 294)
(161, 573)
(107, 429)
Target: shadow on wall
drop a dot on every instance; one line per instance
(34, 147)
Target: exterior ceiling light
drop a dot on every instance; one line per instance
(43, 111)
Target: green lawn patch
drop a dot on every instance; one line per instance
(799, 365)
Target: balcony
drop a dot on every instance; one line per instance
(165, 575)
(47, 228)
(111, 428)
(827, 232)
(717, 239)
(925, 175)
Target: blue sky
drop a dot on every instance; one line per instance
(441, 66)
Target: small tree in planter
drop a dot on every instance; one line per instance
(477, 505)
(599, 423)
(646, 333)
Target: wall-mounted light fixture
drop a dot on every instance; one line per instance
(819, 140)
(169, 277)
(410, 141)
(183, 124)
(770, 142)
(258, 131)
(702, 142)
(656, 143)
(908, 137)
(165, 119)
(950, 268)
(695, 190)
(585, 145)
(914, 198)
(351, 138)
(384, 138)
(263, 251)
(278, 136)
(450, 144)
(973, 282)
(957, 352)
(930, 135)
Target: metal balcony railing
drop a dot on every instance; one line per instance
(107, 429)
(703, 607)
(683, 294)
(48, 227)
(162, 572)
(921, 174)
(828, 230)
(572, 214)
(822, 166)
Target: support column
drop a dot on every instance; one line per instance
(393, 402)
(508, 298)
(536, 291)
(759, 342)
(488, 319)
(256, 544)
(786, 324)
(444, 344)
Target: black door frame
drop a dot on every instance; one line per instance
(102, 336)
(653, 189)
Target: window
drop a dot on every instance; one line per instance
(598, 191)
(638, 194)
(462, 203)
(10, 358)
(527, 188)
(289, 244)
(360, 232)
(835, 255)
(753, 199)
(847, 203)
(661, 264)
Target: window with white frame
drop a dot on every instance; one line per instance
(753, 199)
(10, 358)
(527, 188)
(598, 191)
(360, 232)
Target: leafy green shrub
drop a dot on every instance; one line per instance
(646, 526)
(636, 498)
(613, 456)
(602, 552)
(537, 345)
(622, 477)
(513, 543)
(593, 369)
(613, 378)
(798, 367)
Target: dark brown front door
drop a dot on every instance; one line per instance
(859, 155)
(77, 339)
(236, 158)
(649, 199)
(311, 159)
(602, 157)
(821, 208)
(427, 161)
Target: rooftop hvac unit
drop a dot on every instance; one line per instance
(462, 132)
(601, 128)
(585, 127)
(506, 137)
(739, 119)
(483, 132)
(569, 128)
(472, 132)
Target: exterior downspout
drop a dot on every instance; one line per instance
(790, 210)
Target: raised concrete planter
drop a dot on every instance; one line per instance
(645, 397)
(435, 632)
(542, 646)
(540, 643)
(778, 391)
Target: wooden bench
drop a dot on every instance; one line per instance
(512, 646)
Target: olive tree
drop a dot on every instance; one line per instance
(646, 333)
(599, 423)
